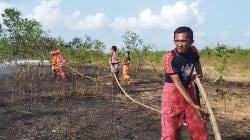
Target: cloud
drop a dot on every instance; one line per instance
(48, 13)
(3, 6)
(181, 13)
(170, 16)
(90, 22)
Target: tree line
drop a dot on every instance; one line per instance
(23, 38)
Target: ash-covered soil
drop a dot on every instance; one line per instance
(35, 105)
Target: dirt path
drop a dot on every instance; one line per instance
(36, 106)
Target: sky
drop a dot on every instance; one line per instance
(213, 21)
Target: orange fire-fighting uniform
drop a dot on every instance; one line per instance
(60, 61)
(125, 70)
(57, 62)
(53, 62)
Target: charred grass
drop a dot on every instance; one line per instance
(36, 105)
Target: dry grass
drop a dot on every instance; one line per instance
(236, 72)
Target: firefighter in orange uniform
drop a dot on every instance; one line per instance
(53, 62)
(60, 61)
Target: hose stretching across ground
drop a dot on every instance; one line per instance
(118, 85)
(133, 100)
(126, 94)
(200, 87)
(93, 78)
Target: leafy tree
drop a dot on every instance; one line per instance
(223, 52)
(76, 43)
(24, 35)
(134, 43)
(5, 52)
(132, 40)
(98, 46)
(86, 50)
(87, 43)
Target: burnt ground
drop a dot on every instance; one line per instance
(35, 105)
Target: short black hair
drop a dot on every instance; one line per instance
(114, 48)
(183, 29)
(128, 52)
